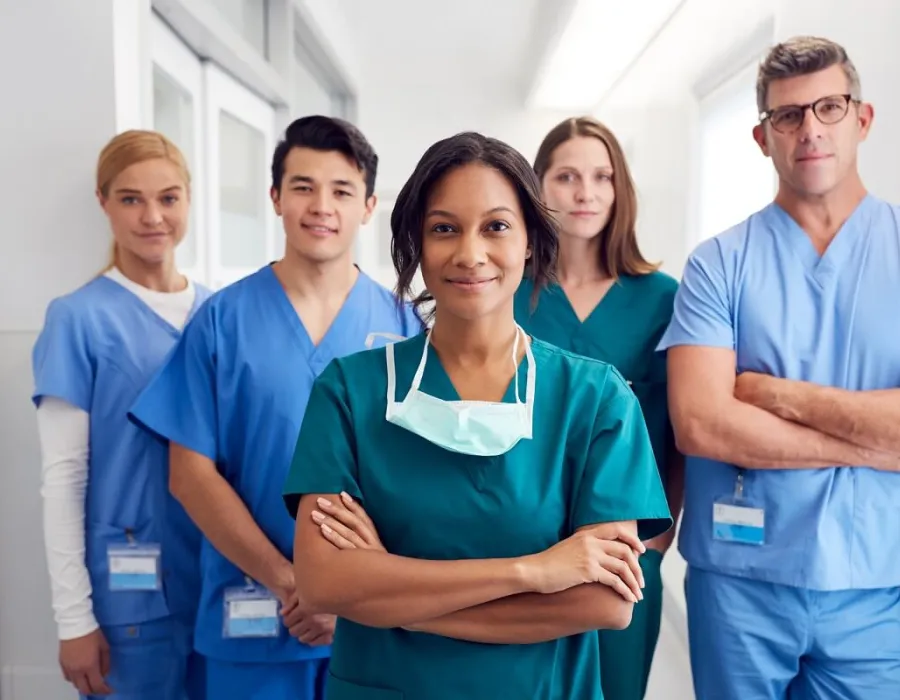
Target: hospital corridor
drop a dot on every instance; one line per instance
(472, 350)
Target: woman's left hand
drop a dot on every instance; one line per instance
(346, 524)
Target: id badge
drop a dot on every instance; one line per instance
(738, 520)
(251, 611)
(134, 567)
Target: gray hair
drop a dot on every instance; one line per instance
(803, 55)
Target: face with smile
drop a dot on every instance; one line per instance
(322, 202)
(578, 186)
(474, 243)
(147, 205)
(813, 158)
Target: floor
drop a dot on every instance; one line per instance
(670, 677)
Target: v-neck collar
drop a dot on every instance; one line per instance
(436, 381)
(822, 268)
(608, 301)
(146, 309)
(325, 349)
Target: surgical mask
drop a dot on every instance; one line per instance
(390, 337)
(479, 428)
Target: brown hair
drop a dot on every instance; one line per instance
(129, 148)
(619, 251)
(803, 55)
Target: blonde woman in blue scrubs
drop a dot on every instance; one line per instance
(610, 304)
(508, 482)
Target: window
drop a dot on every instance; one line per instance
(736, 180)
(249, 18)
(227, 136)
(239, 142)
(177, 113)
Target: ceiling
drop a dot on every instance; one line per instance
(477, 44)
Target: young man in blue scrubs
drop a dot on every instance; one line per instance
(231, 399)
(784, 368)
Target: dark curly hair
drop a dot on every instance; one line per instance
(407, 218)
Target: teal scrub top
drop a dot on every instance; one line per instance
(623, 330)
(589, 461)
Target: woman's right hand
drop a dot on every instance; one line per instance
(583, 558)
(85, 663)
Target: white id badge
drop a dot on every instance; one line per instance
(251, 611)
(739, 523)
(134, 567)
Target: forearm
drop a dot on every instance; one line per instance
(869, 419)
(64, 436)
(750, 437)
(531, 618)
(226, 522)
(383, 590)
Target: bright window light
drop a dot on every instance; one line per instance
(600, 41)
(736, 180)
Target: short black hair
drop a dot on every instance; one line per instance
(408, 216)
(326, 134)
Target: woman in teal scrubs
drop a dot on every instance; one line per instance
(509, 482)
(610, 304)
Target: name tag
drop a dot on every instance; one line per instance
(250, 612)
(742, 524)
(134, 567)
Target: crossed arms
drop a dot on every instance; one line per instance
(758, 421)
(343, 569)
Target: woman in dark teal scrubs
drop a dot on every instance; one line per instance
(508, 482)
(612, 305)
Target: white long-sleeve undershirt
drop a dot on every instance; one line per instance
(64, 432)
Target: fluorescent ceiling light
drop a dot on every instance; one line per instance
(600, 41)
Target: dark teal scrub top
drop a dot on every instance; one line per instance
(589, 461)
(623, 330)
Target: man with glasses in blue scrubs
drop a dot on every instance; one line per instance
(784, 368)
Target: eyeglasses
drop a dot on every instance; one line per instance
(789, 118)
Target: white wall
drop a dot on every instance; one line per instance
(59, 110)
(654, 110)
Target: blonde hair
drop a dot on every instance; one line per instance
(127, 149)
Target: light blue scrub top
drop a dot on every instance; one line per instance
(762, 290)
(589, 461)
(99, 347)
(235, 391)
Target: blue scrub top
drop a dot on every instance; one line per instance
(99, 347)
(589, 461)
(763, 290)
(235, 390)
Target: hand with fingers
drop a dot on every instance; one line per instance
(85, 663)
(346, 524)
(312, 630)
(590, 556)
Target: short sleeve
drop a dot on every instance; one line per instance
(325, 455)
(620, 479)
(412, 322)
(62, 363)
(179, 404)
(702, 313)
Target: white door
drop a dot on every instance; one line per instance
(178, 114)
(240, 140)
